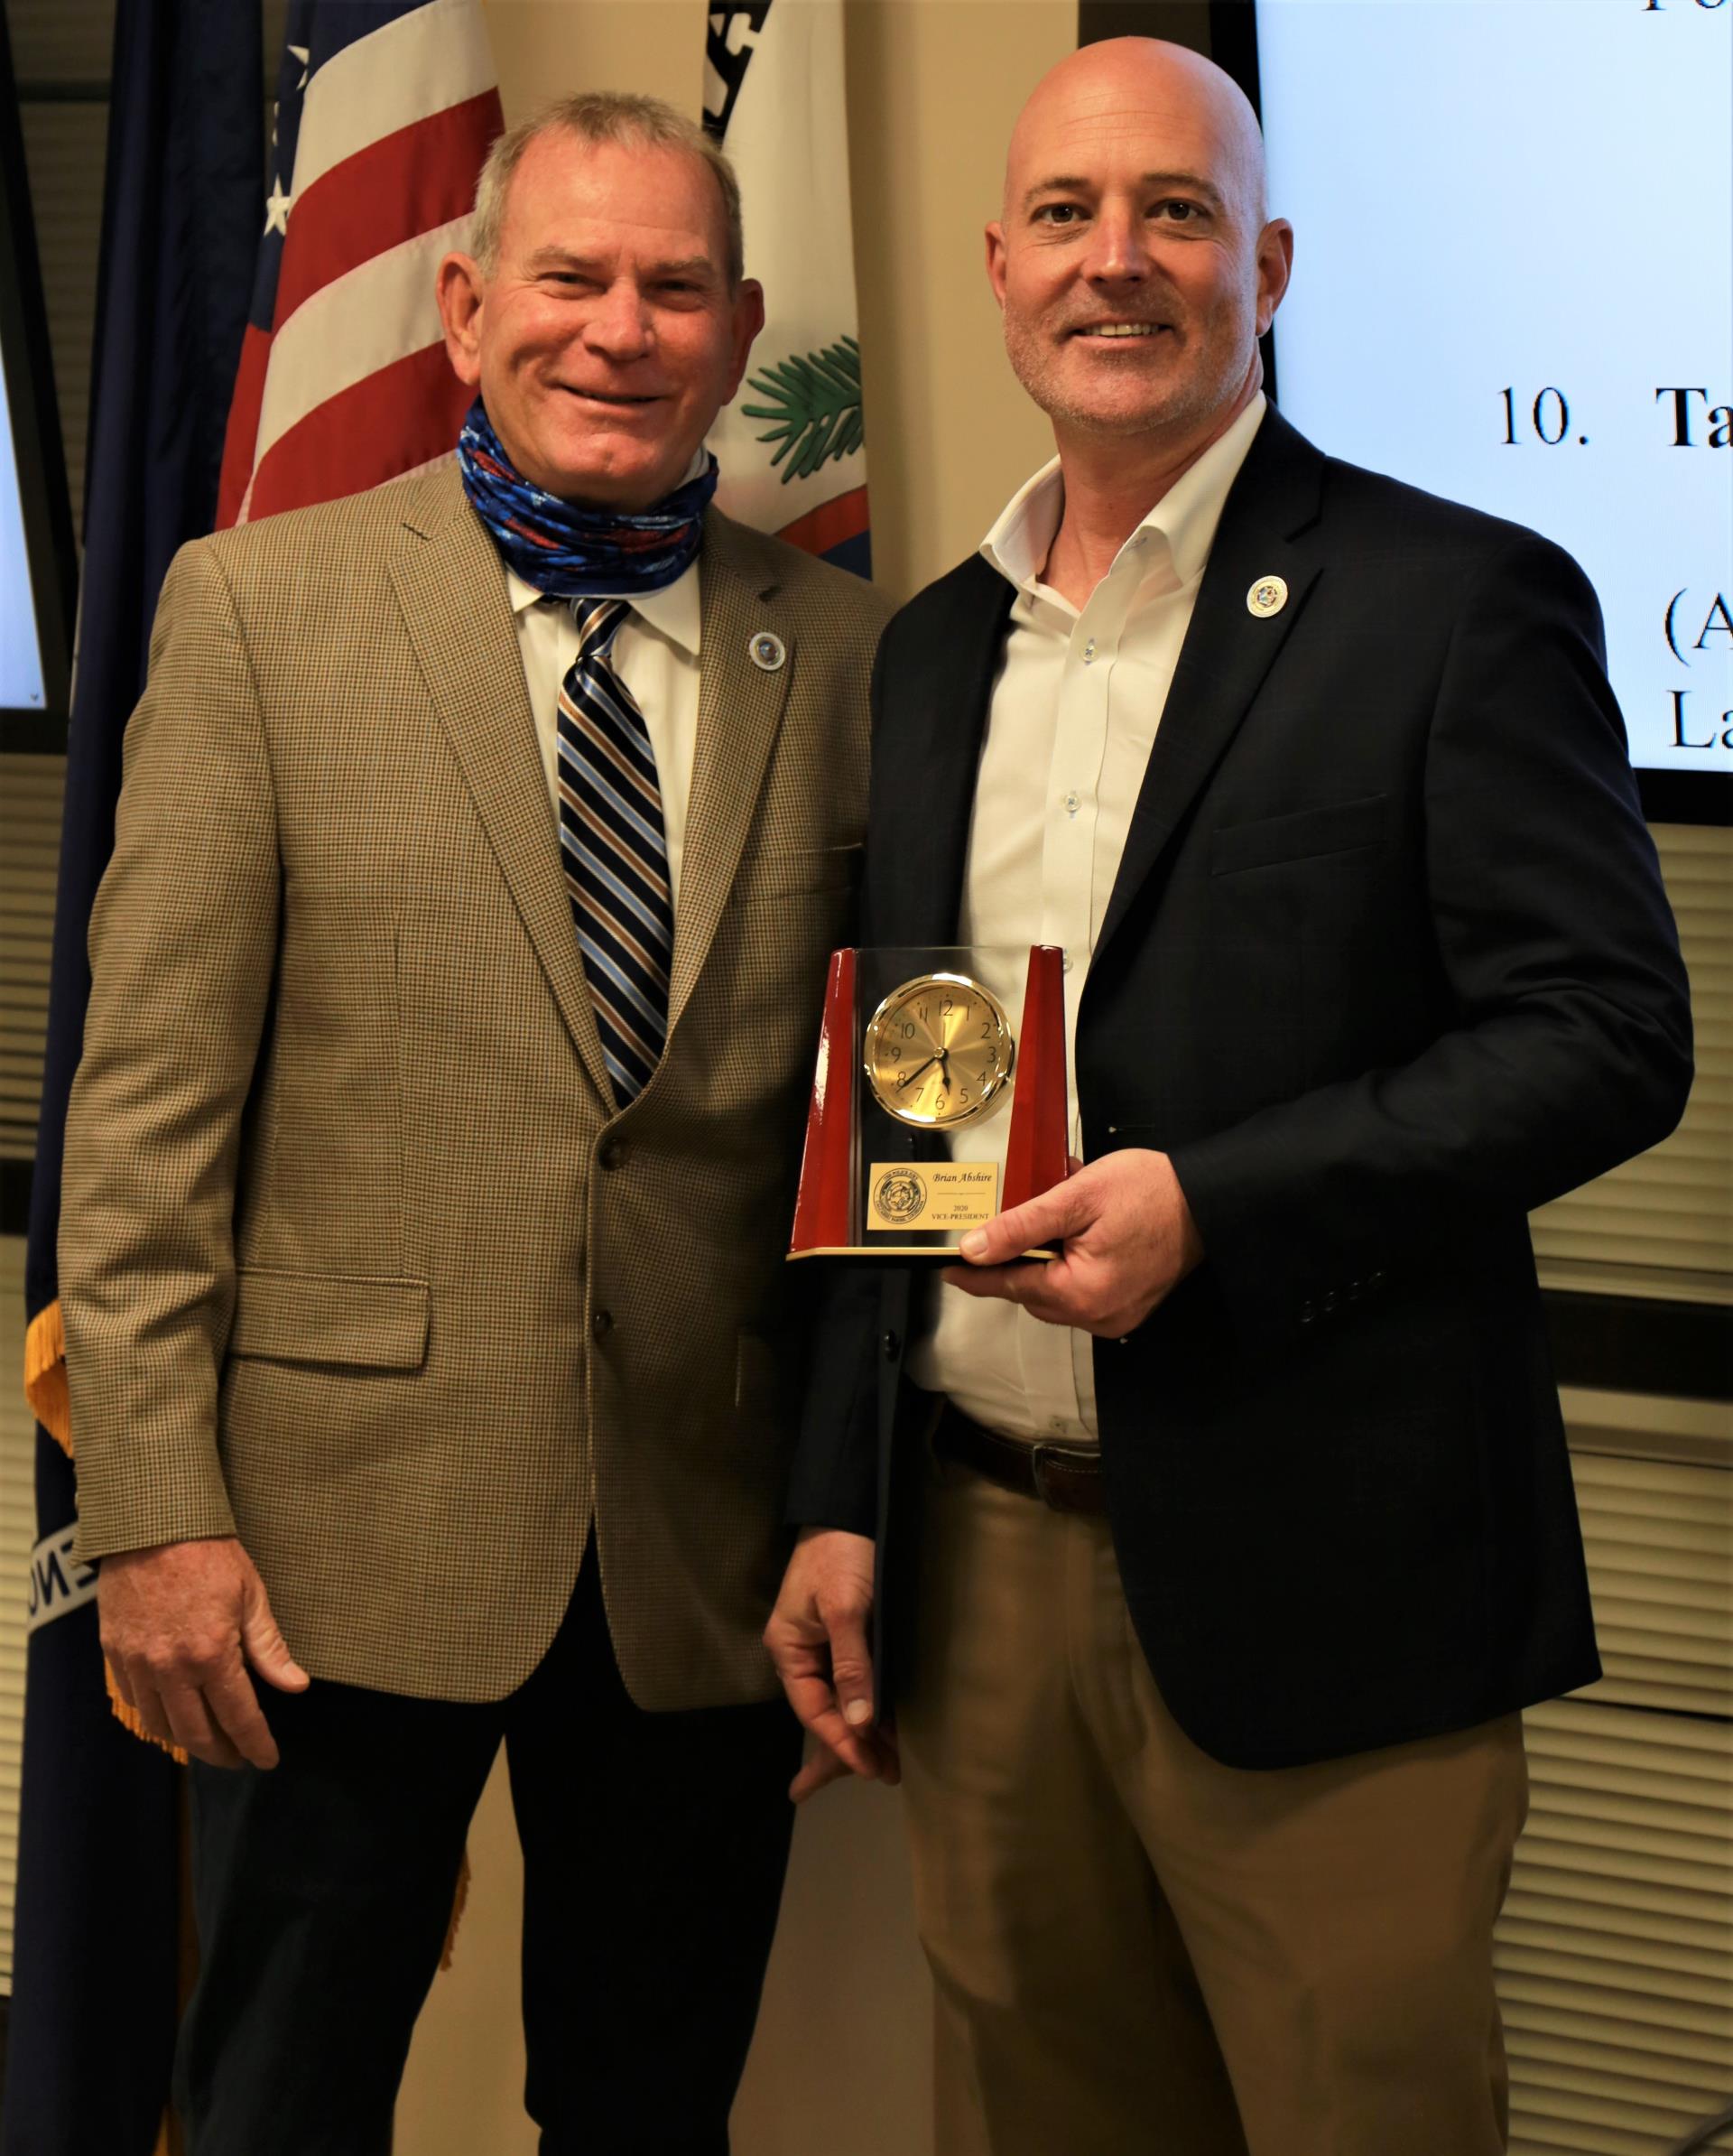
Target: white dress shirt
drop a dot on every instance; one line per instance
(655, 654)
(1074, 711)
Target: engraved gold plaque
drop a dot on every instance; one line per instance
(939, 1051)
(948, 1197)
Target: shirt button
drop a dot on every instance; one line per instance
(1065, 962)
(1089, 653)
(601, 1323)
(1056, 1423)
(1071, 804)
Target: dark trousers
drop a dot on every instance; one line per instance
(654, 1847)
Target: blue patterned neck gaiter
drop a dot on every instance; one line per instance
(567, 551)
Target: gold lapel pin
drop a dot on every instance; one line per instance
(1268, 596)
(767, 651)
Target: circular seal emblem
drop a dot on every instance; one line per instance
(767, 651)
(900, 1195)
(1268, 596)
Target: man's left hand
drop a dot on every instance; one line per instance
(1130, 1239)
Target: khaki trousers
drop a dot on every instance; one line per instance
(1136, 1948)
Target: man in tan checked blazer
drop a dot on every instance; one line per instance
(388, 1324)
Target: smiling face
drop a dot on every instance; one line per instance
(606, 339)
(1132, 260)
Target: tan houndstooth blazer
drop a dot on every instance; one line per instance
(358, 1259)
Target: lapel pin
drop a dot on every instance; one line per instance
(767, 651)
(1268, 596)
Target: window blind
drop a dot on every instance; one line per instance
(1663, 1223)
(1615, 1950)
(30, 837)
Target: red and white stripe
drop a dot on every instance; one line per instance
(352, 384)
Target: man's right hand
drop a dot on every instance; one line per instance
(179, 1624)
(817, 1637)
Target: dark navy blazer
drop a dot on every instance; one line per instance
(1387, 963)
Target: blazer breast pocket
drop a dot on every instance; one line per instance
(1307, 834)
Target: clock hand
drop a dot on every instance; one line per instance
(909, 1077)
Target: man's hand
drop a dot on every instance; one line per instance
(1129, 1240)
(817, 1637)
(179, 1624)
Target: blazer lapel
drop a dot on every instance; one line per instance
(740, 709)
(926, 761)
(1266, 529)
(447, 577)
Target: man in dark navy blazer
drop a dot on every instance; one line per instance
(1222, 1552)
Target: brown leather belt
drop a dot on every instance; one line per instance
(1066, 1478)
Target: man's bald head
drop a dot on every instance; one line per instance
(1133, 258)
(1095, 87)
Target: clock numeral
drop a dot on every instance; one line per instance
(908, 1033)
(986, 1029)
(896, 1054)
(946, 1008)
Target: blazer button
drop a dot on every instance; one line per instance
(1306, 1313)
(892, 1346)
(601, 1323)
(611, 1153)
(1331, 1304)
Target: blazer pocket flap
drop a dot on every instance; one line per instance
(1337, 827)
(320, 1317)
(779, 872)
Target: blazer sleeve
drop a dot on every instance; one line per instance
(183, 939)
(1569, 1047)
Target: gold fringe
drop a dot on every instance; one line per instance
(459, 1902)
(45, 1375)
(127, 1716)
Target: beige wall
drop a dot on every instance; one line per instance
(840, 2063)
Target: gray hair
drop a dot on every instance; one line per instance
(602, 117)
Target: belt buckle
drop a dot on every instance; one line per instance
(1047, 1452)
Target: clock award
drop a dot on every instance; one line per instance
(939, 1098)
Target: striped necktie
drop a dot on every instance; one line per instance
(614, 852)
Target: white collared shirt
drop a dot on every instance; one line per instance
(1075, 707)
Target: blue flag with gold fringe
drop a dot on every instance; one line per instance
(96, 1972)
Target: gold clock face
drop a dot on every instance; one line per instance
(938, 1051)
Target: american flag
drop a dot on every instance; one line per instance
(384, 112)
